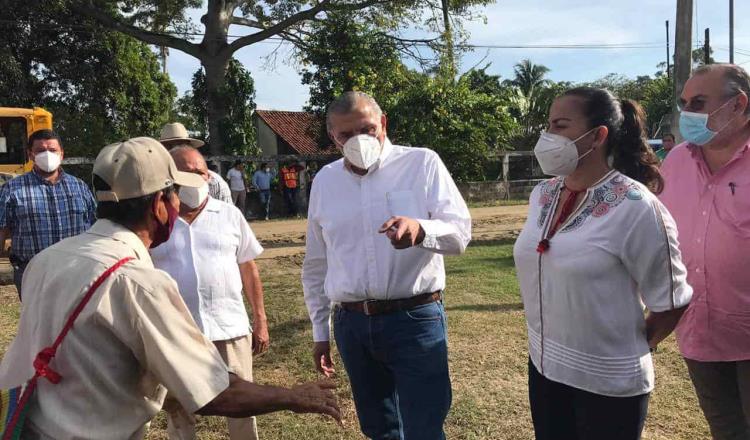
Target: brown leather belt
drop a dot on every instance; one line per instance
(379, 307)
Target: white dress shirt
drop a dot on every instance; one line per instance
(203, 258)
(583, 298)
(347, 259)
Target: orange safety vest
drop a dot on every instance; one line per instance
(289, 175)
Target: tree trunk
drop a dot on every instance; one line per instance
(216, 110)
(216, 62)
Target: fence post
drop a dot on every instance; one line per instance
(506, 170)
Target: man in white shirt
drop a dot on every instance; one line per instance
(379, 222)
(238, 185)
(175, 135)
(210, 254)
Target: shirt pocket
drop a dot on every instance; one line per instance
(733, 206)
(404, 203)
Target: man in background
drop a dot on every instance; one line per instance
(43, 206)
(290, 182)
(667, 143)
(174, 135)
(262, 179)
(238, 185)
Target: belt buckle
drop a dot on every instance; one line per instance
(366, 306)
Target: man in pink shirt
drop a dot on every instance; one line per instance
(707, 191)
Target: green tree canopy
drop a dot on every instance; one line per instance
(238, 96)
(100, 86)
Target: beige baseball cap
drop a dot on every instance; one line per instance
(138, 167)
(174, 132)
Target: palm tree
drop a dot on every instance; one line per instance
(529, 77)
(530, 98)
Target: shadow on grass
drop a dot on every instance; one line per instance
(471, 266)
(505, 307)
(493, 242)
(287, 336)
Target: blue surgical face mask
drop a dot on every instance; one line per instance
(694, 126)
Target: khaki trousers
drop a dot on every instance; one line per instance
(238, 355)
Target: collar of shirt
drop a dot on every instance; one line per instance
(696, 152)
(43, 181)
(212, 205)
(108, 228)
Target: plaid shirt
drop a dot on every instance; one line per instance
(39, 214)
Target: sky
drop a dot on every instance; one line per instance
(525, 22)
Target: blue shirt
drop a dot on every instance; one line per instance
(262, 180)
(39, 213)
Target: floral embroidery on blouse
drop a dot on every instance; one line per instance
(603, 200)
(548, 190)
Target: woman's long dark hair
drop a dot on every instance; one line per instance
(626, 142)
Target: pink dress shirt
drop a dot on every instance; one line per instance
(712, 212)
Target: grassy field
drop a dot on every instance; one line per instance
(487, 353)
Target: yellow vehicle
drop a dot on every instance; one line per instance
(16, 125)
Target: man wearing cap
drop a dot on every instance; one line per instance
(135, 338)
(174, 135)
(43, 206)
(210, 254)
(379, 223)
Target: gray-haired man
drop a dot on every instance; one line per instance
(379, 222)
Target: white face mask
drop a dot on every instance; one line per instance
(193, 197)
(362, 151)
(558, 155)
(47, 161)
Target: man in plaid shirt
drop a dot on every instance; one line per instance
(43, 206)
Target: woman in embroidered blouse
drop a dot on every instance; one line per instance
(596, 247)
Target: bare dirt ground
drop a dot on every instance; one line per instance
(286, 238)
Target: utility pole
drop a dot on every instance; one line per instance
(707, 48)
(683, 55)
(731, 31)
(669, 75)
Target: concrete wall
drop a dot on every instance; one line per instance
(490, 191)
(473, 192)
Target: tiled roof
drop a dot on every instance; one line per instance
(301, 130)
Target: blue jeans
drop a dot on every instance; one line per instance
(265, 200)
(398, 368)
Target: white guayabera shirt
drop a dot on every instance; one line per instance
(347, 259)
(203, 258)
(584, 296)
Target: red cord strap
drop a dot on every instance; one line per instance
(41, 363)
(567, 209)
